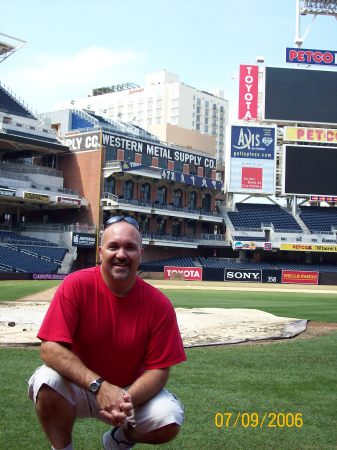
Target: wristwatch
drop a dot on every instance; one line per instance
(95, 385)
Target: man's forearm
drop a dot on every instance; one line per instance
(60, 358)
(148, 385)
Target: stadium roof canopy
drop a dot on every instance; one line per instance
(9, 45)
(28, 147)
(320, 7)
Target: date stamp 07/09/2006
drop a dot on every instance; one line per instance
(258, 420)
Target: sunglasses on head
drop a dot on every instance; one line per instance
(127, 219)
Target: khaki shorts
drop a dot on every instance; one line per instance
(163, 409)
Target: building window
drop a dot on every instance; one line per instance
(207, 172)
(144, 224)
(206, 202)
(193, 169)
(178, 166)
(161, 195)
(162, 163)
(128, 190)
(129, 155)
(109, 185)
(111, 154)
(192, 200)
(177, 198)
(145, 192)
(161, 225)
(147, 160)
(176, 229)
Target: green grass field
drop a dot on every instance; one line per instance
(12, 290)
(291, 384)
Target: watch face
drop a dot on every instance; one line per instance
(94, 387)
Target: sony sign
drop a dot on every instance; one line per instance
(243, 275)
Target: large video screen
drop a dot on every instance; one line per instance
(300, 95)
(310, 170)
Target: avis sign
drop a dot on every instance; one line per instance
(187, 273)
(248, 92)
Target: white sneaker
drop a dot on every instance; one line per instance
(110, 442)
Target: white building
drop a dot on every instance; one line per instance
(164, 106)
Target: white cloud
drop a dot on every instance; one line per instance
(53, 78)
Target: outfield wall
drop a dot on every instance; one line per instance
(264, 276)
(213, 274)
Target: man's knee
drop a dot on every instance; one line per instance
(170, 431)
(49, 402)
(157, 436)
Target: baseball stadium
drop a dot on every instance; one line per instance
(245, 248)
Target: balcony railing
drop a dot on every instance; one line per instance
(157, 205)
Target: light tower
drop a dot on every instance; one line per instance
(314, 8)
(9, 45)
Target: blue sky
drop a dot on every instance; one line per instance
(75, 45)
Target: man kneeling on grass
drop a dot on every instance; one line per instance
(108, 341)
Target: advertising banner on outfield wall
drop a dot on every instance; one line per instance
(271, 276)
(248, 92)
(252, 159)
(299, 277)
(309, 248)
(87, 240)
(186, 273)
(245, 275)
(244, 245)
(301, 134)
(323, 198)
(7, 192)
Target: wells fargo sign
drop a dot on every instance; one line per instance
(299, 277)
(324, 135)
(309, 248)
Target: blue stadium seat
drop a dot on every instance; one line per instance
(252, 215)
(21, 262)
(318, 218)
(10, 105)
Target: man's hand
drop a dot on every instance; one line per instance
(115, 404)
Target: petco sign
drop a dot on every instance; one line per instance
(306, 56)
(186, 273)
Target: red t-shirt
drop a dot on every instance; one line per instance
(117, 337)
